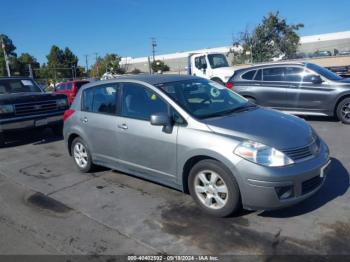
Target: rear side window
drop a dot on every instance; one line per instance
(61, 87)
(69, 86)
(249, 75)
(100, 99)
(274, 74)
(88, 96)
(258, 76)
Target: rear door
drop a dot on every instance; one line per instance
(99, 121)
(272, 89)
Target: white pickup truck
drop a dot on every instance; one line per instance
(213, 66)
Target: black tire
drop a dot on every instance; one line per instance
(343, 111)
(89, 166)
(233, 202)
(218, 80)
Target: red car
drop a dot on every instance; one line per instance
(70, 88)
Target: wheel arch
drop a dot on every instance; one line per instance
(195, 158)
(339, 99)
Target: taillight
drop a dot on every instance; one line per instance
(67, 114)
(229, 85)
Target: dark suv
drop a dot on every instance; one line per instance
(24, 105)
(297, 88)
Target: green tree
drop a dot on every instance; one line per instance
(62, 64)
(159, 66)
(23, 62)
(109, 63)
(55, 61)
(10, 50)
(274, 37)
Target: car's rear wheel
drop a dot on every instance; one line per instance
(343, 111)
(214, 188)
(81, 155)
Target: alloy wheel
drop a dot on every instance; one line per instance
(211, 189)
(80, 155)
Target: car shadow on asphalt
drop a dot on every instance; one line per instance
(335, 185)
(35, 137)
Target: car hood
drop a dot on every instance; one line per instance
(28, 97)
(266, 126)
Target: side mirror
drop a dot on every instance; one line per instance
(316, 79)
(162, 119)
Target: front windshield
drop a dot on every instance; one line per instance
(203, 98)
(324, 72)
(12, 86)
(217, 60)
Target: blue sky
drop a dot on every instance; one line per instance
(125, 27)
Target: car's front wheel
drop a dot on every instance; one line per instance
(343, 111)
(81, 155)
(214, 188)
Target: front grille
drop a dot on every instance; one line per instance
(34, 108)
(303, 152)
(311, 184)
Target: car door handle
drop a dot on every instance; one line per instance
(123, 126)
(84, 120)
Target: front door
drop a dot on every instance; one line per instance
(144, 149)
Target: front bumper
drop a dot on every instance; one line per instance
(259, 184)
(29, 122)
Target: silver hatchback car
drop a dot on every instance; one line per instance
(199, 137)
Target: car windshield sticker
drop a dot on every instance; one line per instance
(27, 82)
(214, 92)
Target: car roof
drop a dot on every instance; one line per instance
(147, 78)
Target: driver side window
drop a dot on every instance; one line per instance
(139, 102)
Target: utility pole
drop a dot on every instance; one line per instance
(96, 56)
(6, 57)
(154, 44)
(87, 64)
(30, 70)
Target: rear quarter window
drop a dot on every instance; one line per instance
(249, 75)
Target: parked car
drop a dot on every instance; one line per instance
(296, 88)
(24, 105)
(197, 136)
(322, 53)
(70, 88)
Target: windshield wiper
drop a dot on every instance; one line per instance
(241, 108)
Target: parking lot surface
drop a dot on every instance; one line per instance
(48, 207)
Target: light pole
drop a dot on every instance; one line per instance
(6, 57)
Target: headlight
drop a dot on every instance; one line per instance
(262, 154)
(62, 102)
(6, 109)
